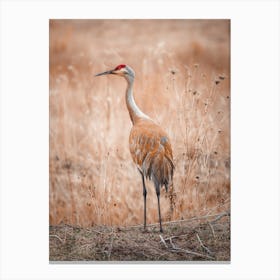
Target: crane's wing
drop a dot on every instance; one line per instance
(151, 150)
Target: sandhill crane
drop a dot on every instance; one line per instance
(148, 143)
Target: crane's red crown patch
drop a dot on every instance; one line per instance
(119, 67)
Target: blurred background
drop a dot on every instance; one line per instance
(182, 82)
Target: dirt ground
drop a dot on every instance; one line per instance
(204, 239)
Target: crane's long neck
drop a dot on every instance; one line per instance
(134, 112)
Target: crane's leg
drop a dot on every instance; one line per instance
(144, 195)
(158, 199)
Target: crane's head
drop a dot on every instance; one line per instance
(121, 70)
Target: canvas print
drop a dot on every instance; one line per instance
(139, 140)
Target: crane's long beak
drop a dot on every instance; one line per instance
(105, 73)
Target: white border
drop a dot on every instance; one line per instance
(255, 138)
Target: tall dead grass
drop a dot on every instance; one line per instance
(182, 82)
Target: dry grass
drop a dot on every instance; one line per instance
(182, 82)
(205, 239)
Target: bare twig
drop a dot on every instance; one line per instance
(163, 241)
(220, 216)
(203, 246)
(186, 221)
(171, 242)
(153, 245)
(93, 230)
(176, 249)
(212, 229)
(56, 236)
(176, 236)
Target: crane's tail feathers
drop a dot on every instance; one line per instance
(159, 169)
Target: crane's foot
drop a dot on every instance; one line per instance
(144, 229)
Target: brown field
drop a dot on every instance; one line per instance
(193, 240)
(182, 81)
